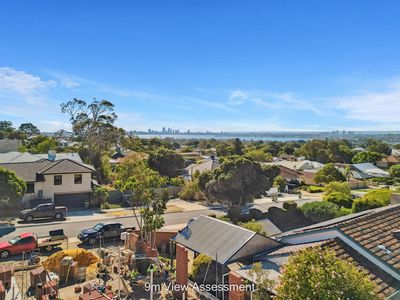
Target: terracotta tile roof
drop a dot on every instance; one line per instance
(375, 231)
(386, 285)
(391, 159)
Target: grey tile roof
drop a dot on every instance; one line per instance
(22, 157)
(221, 240)
(18, 157)
(28, 170)
(65, 166)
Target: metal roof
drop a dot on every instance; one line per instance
(221, 240)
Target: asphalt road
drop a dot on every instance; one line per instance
(71, 229)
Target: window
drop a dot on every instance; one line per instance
(57, 179)
(26, 240)
(78, 178)
(30, 188)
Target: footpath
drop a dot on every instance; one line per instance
(173, 206)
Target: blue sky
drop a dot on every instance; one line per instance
(204, 65)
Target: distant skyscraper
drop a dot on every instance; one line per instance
(163, 129)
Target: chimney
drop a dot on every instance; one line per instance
(51, 155)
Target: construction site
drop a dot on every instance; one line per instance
(126, 269)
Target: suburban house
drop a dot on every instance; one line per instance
(298, 171)
(22, 157)
(64, 181)
(230, 246)
(388, 161)
(366, 170)
(204, 166)
(369, 239)
(299, 165)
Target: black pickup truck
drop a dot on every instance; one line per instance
(46, 210)
(103, 231)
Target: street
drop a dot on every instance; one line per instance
(71, 229)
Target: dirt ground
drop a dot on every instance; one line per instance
(22, 271)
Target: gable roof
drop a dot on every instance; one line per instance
(273, 261)
(374, 234)
(66, 166)
(370, 169)
(208, 165)
(18, 157)
(222, 241)
(28, 171)
(391, 159)
(24, 157)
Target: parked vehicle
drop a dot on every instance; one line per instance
(102, 230)
(47, 210)
(28, 242)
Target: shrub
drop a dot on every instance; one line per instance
(362, 204)
(336, 186)
(394, 171)
(289, 205)
(108, 205)
(373, 199)
(383, 195)
(328, 174)
(176, 181)
(190, 191)
(280, 183)
(316, 273)
(345, 211)
(315, 189)
(200, 262)
(320, 211)
(340, 199)
(253, 226)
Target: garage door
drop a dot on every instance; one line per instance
(71, 200)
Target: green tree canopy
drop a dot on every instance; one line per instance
(166, 161)
(12, 188)
(366, 156)
(373, 199)
(6, 126)
(316, 273)
(328, 174)
(238, 181)
(318, 211)
(374, 145)
(280, 183)
(394, 171)
(336, 186)
(258, 155)
(29, 129)
(340, 199)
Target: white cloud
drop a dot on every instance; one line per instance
(21, 83)
(69, 83)
(381, 107)
(272, 100)
(237, 97)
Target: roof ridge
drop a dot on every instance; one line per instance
(50, 165)
(231, 224)
(374, 212)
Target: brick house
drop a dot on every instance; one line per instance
(369, 239)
